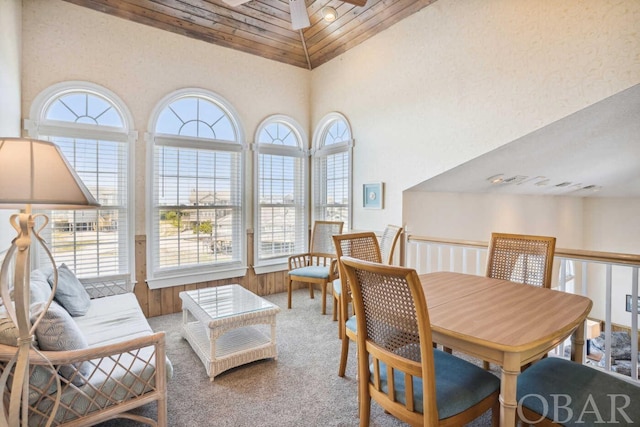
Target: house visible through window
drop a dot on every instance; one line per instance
(281, 190)
(196, 212)
(332, 170)
(91, 127)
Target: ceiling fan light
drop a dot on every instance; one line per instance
(329, 14)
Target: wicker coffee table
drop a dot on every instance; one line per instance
(228, 326)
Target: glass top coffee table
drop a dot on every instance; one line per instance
(228, 326)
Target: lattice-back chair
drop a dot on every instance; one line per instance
(319, 265)
(521, 258)
(388, 242)
(397, 365)
(362, 246)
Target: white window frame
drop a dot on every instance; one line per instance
(38, 125)
(279, 263)
(156, 278)
(321, 151)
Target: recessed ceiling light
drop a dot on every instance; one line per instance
(496, 179)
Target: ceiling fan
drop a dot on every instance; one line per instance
(298, 11)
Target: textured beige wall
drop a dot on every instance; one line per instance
(10, 36)
(460, 78)
(141, 65)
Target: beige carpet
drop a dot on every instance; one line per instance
(301, 388)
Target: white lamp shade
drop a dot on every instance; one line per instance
(34, 172)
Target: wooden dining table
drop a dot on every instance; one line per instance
(505, 323)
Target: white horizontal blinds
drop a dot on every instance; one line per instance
(332, 173)
(197, 208)
(281, 192)
(91, 242)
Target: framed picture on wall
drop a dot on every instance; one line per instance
(373, 195)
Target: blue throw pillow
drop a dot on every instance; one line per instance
(70, 293)
(39, 287)
(57, 331)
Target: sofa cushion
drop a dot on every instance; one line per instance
(113, 319)
(57, 331)
(70, 293)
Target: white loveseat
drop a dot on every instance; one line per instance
(121, 367)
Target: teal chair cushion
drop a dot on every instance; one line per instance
(351, 324)
(314, 272)
(583, 396)
(337, 287)
(459, 385)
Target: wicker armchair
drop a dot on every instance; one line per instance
(362, 246)
(319, 265)
(397, 365)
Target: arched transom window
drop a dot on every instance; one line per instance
(196, 210)
(91, 126)
(332, 170)
(280, 190)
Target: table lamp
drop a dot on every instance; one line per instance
(36, 174)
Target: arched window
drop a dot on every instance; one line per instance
(281, 176)
(195, 212)
(332, 154)
(92, 127)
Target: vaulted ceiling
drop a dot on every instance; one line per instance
(263, 27)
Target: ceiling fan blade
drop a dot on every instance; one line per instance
(235, 3)
(356, 2)
(299, 15)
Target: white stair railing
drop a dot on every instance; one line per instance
(609, 279)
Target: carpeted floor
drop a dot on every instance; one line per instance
(301, 388)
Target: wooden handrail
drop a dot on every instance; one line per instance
(597, 256)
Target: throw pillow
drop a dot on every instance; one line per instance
(40, 378)
(58, 332)
(39, 288)
(70, 293)
(8, 331)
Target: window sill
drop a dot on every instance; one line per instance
(199, 277)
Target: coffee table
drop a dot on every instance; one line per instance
(228, 326)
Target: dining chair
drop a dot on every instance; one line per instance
(521, 258)
(362, 246)
(319, 265)
(397, 366)
(588, 396)
(388, 242)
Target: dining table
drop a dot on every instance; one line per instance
(506, 323)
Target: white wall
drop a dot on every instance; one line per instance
(612, 225)
(460, 78)
(62, 41)
(469, 216)
(10, 43)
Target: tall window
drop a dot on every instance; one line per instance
(195, 216)
(281, 183)
(92, 128)
(332, 170)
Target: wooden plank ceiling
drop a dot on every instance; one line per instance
(263, 27)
